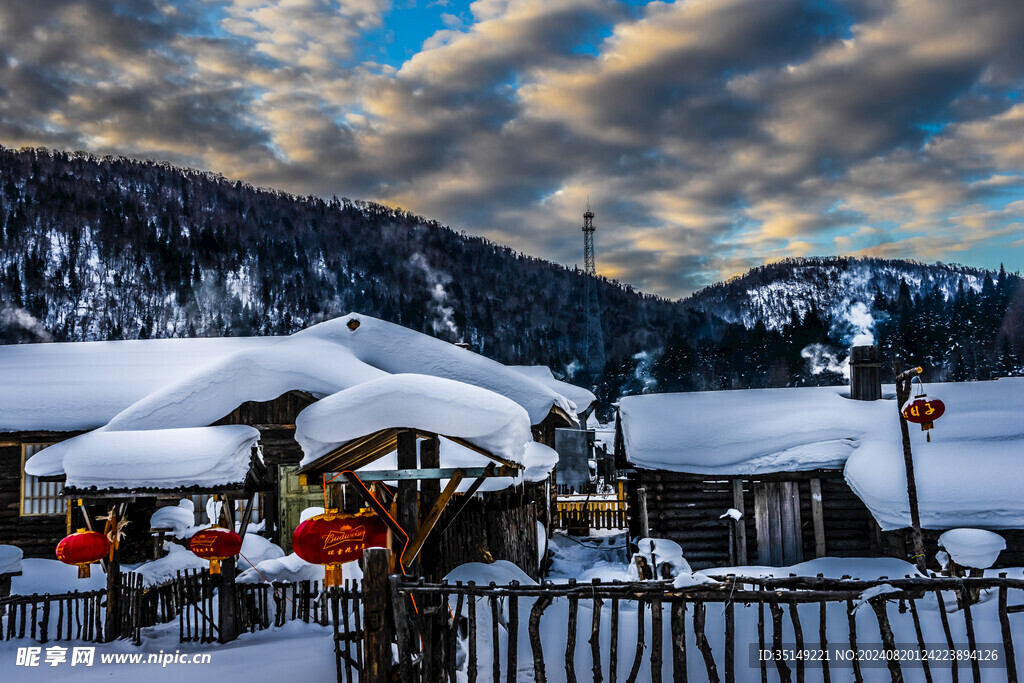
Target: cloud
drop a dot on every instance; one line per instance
(710, 135)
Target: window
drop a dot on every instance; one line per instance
(38, 497)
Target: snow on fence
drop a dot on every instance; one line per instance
(68, 616)
(574, 632)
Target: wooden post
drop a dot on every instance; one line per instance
(902, 395)
(641, 504)
(741, 523)
(226, 608)
(408, 492)
(111, 626)
(376, 637)
(818, 518)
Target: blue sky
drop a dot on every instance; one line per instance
(710, 135)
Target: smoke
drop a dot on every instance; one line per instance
(853, 323)
(22, 319)
(644, 365)
(820, 359)
(443, 321)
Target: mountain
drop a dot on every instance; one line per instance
(109, 248)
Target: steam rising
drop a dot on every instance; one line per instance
(436, 280)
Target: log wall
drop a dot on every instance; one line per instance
(686, 508)
(36, 535)
(495, 526)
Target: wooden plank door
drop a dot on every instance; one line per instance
(777, 519)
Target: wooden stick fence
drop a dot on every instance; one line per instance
(699, 648)
(67, 616)
(591, 514)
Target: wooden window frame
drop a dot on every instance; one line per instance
(59, 500)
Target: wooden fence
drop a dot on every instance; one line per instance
(68, 616)
(578, 513)
(652, 631)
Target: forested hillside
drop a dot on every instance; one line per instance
(111, 248)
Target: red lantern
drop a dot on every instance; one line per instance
(82, 548)
(332, 539)
(215, 544)
(923, 411)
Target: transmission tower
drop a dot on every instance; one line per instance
(594, 339)
(588, 241)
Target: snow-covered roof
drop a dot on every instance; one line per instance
(748, 432)
(969, 475)
(484, 418)
(159, 458)
(82, 385)
(161, 383)
(581, 397)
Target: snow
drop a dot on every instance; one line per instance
(975, 548)
(259, 374)
(487, 420)
(500, 572)
(289, 568)
(663, 556)
(178, 518)
(969, 475)
(396, 349)
(160, 458)
(750, 431)
(91, 382)
(10, 559)
(166, 568)
(538, 461)
(256, 549)
(862, 568)
(733, 514)
(542, 544)
(580, 397)
(54, 577)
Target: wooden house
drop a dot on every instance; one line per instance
(817, 471)
(50, 393)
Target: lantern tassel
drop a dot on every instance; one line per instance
(333, 575)
(84, 571)
(215, 566)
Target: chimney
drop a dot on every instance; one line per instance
(866, 373)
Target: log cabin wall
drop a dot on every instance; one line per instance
(686, 508)
(36, 535)
(495, 526)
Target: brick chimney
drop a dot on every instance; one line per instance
(866, 373)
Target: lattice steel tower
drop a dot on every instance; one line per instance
(594, 338)
(588, 241)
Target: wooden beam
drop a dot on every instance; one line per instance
(468, 496)
(436, 473)
(486, 454)
(431, 519)
(408, 489)
(741, 523)
(818, 518)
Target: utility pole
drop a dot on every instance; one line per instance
(903, 380)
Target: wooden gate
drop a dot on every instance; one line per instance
(779, 530)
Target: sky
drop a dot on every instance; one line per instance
(710, 136)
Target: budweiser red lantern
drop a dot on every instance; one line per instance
(215, 544)
(82, 548)
(331, 539)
